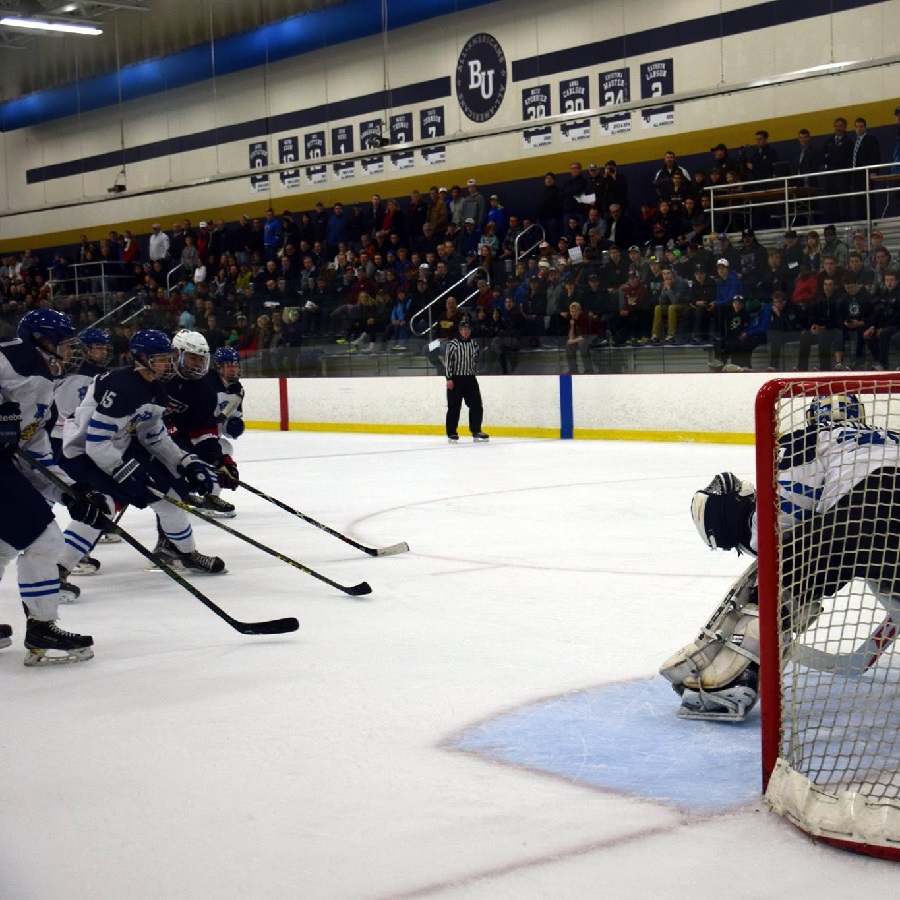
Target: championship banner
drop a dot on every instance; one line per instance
(288, 152)
(574, 95)
(657, 80)
(615, 89)
(535, 106)
(342, 142)
(431, 125)
(371, 138)
(314, 148)
(259, 159)
(401, 128)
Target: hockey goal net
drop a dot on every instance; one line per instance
(830, 673)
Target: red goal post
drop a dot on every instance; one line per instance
(829, 690)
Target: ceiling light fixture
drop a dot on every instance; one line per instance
(40, 25)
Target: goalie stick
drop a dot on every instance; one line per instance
(355, 590)
(858, 661)
(402, 547)
(272, 626)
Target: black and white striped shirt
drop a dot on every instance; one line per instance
(462, 357)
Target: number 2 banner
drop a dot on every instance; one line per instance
(657, 80)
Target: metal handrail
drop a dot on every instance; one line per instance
(426, 309)
(520, 256)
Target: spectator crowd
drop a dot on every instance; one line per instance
(576, 271)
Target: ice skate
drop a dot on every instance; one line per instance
(453, 438)
(214, 505)
(68, 592)
(480, 436)
(87, 565)
(167, 552)
(46, 644)
(5, 636)
(110, 537)
(195, 561)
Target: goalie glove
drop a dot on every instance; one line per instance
(723, 512)
(228, 474)
(198, 474)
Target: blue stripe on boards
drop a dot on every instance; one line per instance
(566, 409)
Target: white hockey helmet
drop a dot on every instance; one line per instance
(191, 354)
(829, 409)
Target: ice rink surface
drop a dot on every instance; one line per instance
(486, 724)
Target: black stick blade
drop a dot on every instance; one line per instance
(275, 626)
(358, 590)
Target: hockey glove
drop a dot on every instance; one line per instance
(234, 427)
(198, 475)
(88, 506)
(10, 428)
(228, 474)
(134, 483)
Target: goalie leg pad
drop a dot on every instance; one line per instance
(735, 626)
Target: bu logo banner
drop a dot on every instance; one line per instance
(481, 77)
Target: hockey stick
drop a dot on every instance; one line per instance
(273, 626)
(372, 551)
(856, 662)
(356, 590)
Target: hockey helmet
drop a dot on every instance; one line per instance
(228, 364)
(40, 325)
(191, 354)
(149, 346)
(97, 346)
(829, 409)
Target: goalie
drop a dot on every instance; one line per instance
(837, 476)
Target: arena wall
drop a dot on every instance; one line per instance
(672, 407)
(781, 64)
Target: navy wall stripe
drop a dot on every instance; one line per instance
(423, 92)
(566, 409)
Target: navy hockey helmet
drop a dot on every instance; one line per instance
(98, 346)
(829, 409)
(149, 344)
(228, 364)
(40, 325)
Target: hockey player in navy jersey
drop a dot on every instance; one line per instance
(838, 476)
(192, 417)
(225, 376)
(117, 442)
(29, 365)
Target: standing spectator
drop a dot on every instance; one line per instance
(838, 154)
(437, 211)
(760, 163)
(473, 205)
(619, 227)
(416, 214)
(271, 234)
(549, 209)
(497, 214)
(373, 215)
(454, 206)
(574, 192)
(336, 229)
(809, 160)
(462, 384)
(159, 243)
(722, 160)
(394, 222)
(611, 187)
(662, 180)
(866, 152)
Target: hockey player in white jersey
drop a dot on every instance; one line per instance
(839, 476)
(28, 531)
(68, 393)
(117, 442)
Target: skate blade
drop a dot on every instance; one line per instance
(189, 571)
(36, 658)
(69, 596)
(175, 564)
(701, 716)
(110, 537)
(4, 642)
(84, 570)
(217, 513)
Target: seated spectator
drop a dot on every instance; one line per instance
(885, 321)
(398, 321)
(631, 325)
(738, 338)
(824, 328)
(856, 313)
(812, 251)
(784, 327)
(578, 340)
(672, 303)
(805, 287)
(513, 330)
(701, 315)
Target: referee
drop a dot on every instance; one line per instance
(461, 363)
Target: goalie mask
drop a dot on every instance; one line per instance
(722, 513)
(829, 409)
(191, 354)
